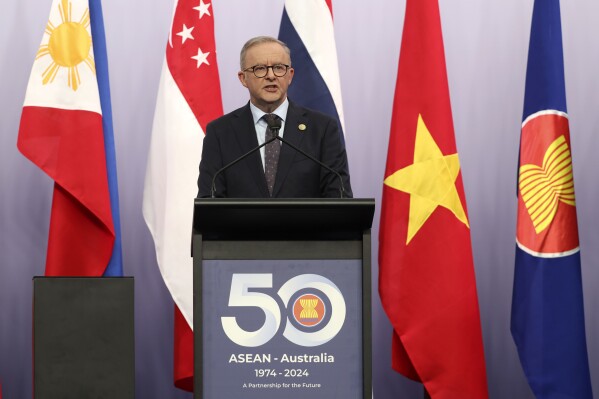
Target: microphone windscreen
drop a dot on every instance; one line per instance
(274, 123)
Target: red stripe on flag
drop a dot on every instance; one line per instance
(68, 145)
(183, 353)
(198, 81)
(330, 5)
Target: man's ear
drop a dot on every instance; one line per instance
(241, 77)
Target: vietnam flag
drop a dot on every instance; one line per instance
(426, 281)
(66, 130)
(188, 98)
(548, 323)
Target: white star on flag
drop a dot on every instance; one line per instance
(186, 33)
(201, 58)
(202, 8)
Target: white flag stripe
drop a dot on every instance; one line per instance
(57, 93)
(305, 15)
(170, 187)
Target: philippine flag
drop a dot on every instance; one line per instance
(66, 130)
(307, 28)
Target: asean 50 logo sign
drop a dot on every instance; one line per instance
(313, 307)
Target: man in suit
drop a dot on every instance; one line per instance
(267, 73)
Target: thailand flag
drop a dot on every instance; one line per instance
(547, 305)
(307, 28)
(66, 130)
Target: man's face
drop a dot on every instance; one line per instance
(268, 92)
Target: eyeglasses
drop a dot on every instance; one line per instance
(261, 71)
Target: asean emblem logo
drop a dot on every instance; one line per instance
(546, 202)
(309, 310)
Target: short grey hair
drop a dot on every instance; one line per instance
(259, 40)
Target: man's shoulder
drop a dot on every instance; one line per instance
(302, 111)
(320, 121)
(228, 117)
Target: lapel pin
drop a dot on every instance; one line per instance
(301, 127)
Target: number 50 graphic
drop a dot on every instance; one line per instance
(240, 296)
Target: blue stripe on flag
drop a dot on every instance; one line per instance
(548, 325)
(545, 83)
(115, 266)
(308, 88)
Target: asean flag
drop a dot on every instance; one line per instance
(188, 98)
(66, 130)
(426, 272)
(547, 306)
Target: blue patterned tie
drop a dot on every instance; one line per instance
(271, 154)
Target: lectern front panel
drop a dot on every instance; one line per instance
(282, 329)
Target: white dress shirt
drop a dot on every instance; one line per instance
(260, 124)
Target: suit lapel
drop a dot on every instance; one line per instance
(245, 132)
(292, 134)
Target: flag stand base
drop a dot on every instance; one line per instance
(83, 337)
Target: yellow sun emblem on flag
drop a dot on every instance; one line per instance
(69, 44)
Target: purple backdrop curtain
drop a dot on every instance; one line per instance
(486, 46)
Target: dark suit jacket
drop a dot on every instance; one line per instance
(232, 135)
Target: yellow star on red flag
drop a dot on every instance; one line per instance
(430, 181)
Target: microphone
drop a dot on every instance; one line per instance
(274, 124)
